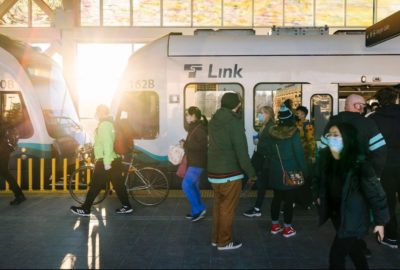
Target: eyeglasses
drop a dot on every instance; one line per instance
(362, 104)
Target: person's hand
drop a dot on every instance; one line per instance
(182, 143)
(107, 167)
(318, 201)
(380, 230)
(312, 159)
(252, 179)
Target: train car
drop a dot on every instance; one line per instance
(36, 106)
(176, 71)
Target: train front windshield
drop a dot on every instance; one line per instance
(57, 106)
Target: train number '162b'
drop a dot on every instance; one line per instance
(143, 84)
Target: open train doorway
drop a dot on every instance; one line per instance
(367, 91)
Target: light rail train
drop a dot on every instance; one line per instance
(36, 106)
(175, 72)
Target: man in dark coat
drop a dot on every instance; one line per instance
(228, 157)
(387, 118)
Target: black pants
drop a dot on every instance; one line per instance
(100, 179)
(5, 173)
(287, 197)
(341, 247)
(391, 184)
(262, 183)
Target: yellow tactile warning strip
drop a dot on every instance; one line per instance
(175, 193)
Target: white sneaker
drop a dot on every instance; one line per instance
(230, 246)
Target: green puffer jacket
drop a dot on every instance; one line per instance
(227, 151)
(104, 141)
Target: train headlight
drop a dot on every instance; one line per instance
(23, 150)
(23, 157)
(363, 79)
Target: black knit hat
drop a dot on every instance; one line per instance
(285, 115)
(230, 100)
(303, 109)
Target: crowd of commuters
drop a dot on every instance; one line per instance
(352, 179)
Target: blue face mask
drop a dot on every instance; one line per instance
(261, 118)
(335, 144)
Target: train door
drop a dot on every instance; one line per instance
(320, 100)
(367, 91)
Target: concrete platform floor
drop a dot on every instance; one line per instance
(42, 233)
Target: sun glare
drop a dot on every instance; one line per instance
(100, 67)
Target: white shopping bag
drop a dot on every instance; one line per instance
(175, 154)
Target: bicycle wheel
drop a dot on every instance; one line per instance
(79, 183)
(148, 186)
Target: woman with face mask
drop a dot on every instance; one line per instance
(347, 188)
(266, 118)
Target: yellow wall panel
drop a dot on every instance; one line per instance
(299, 12)
(329, 12)
(207, 13)
(177, 12)
(238, 12)
(268, 13)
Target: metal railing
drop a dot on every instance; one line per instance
(53, 182)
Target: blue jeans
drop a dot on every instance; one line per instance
(190, 185)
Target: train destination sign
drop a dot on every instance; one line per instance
(383, 30)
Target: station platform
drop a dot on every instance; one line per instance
(43, 233)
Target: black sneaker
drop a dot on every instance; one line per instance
(189, 216)
(199, 216)
(253, 212)
(124, 210)
(389, 242)
(80, 211)
(18, 200)
(230, 246)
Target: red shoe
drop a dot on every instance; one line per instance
(289, 232)
(276, 228)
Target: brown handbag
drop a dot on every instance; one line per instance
(290, 178)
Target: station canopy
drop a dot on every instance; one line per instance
(202, 13)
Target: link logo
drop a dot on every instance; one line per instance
(193, 68)
(213, 72)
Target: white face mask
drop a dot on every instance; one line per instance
(335, 144)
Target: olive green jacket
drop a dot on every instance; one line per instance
(227, 151)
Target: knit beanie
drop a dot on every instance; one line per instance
(230, 100)
(284, 114)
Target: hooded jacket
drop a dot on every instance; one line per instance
(291, 151)
(370, 138)
(104, 141)
(387, 118)
(360, 192)
(196, 145)
(227, 151)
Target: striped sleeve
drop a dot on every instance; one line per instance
(376, 142)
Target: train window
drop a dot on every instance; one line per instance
(14, 114)
(321, 109)
(207, 96)
(140, 110)
(273, 94)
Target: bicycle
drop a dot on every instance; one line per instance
(148, 186)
